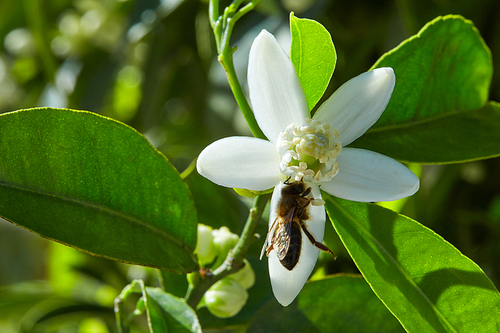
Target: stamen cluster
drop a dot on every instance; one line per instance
(309, 152)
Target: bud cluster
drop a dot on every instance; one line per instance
(228, 296)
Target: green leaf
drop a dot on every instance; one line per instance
(97, 185)
(313, 55)
(173, 283)
(457, 137)
(443, 76)
(167, 313)
(423, 280)
(224, 207)
(336, 304)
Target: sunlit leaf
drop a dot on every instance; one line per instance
(423, 280)
(437, 112)
(313, 55)
(95, 184)
(457, 137)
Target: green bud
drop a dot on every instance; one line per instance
(226, 298)
(245, 276)
(224, 241)
(204, 246)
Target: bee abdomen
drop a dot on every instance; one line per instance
(292, 256)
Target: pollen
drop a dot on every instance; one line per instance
(309, 151)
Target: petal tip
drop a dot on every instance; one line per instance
(416, 187)
(387, 74)
(388, 70)
(199, 163)
(264, 36)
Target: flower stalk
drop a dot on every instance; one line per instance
(222, 27)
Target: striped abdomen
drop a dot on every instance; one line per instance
(292, 256)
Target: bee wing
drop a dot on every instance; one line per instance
(281, 237)
(268, 242)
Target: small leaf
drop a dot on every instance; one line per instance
(95, 184)
(437, 110)
(336, 304)
(313, 55)
(168, 313)
(423, 280)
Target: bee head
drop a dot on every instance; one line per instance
(295, 188)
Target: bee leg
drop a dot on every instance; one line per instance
(269, 249)
(319, 245)
(266, 248)
(268, 245)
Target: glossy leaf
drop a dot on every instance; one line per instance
(95, 184)
(437, 112)
(457, 137)
(423, 280)
(313, 55)
(335, 304)
(167, 313)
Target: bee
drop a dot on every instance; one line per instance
(285, 235)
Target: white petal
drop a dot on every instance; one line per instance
(275, 92)
(241, 162)
(287, 284)
(358, 103)
(368, 176)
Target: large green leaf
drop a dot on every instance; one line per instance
(336, 304)
(457, 137)
(313, 55)
(437, 112)
(95, 184)
(423, 280)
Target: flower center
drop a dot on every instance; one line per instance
(309, 152)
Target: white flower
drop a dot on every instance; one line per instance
(309, 149)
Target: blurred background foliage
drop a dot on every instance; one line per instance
(152, 64)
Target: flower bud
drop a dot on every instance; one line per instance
(204, 246)
(226, 298)
(224, 241)
(245, 276)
